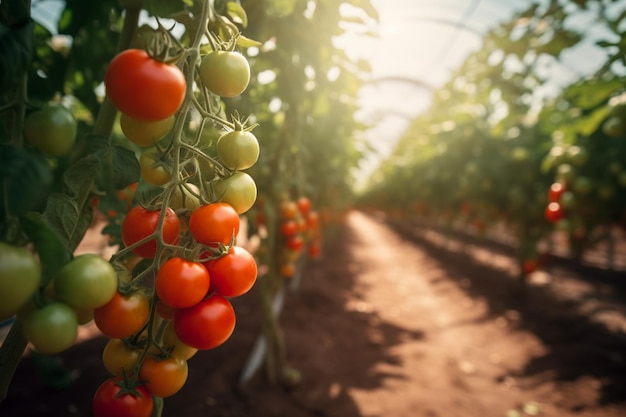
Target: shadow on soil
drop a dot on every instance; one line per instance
(577, 345)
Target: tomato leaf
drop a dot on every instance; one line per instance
(122, 167)
(52, 249)
(63, 215)
(237, 13)
(79, 177)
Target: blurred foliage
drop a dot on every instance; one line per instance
(492, 142)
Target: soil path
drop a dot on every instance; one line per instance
(389, 326)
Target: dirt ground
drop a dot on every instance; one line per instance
(397, 323)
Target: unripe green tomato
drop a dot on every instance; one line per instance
(238, 149)
(565, 173)
(52, 329)
(238, 190)
(153, 170)
(582, 185)
(51, 129)
(86, 282)
(567, 200)
(20, 276)
(225, 73)
(145, 133)
(183, 198)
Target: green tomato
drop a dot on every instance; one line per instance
(20, 276)
(145, 133)
(238, 190)
(567, 200)
(565, 173)
(238, 149)
(183, 198)
(225, 73)
(87, 282)
(582, 185)
(52, 329)
(153, 169)
(51, 129)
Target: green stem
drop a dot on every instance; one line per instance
(10, 354)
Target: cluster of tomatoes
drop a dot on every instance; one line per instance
(298, 225)
(175, 300)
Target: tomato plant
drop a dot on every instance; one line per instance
(112, 398)
(225, 73)
(206, 325)
(123, 315)
(87, 282)
(144, 88)
(181, 283)
(140, 223)
(51, 129)
(154, 168)
(20, 275)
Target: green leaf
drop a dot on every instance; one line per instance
(52, 249)
(62, 214)
(123, 167)
(244, 42)
(28, 177)
(237, 13)
(79, 177)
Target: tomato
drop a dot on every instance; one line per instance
(206, 325)
(314, 250)
(529, 266)
(123, 316)
(20, 276)
(86, 282)
(51, 129)
(556, 191)
(164, 377)
(288, 210)
(154, 169)
(567, 200)
(178, 348)
(51, 329)
(140, 223)
(565, 173)
(304, 205)
(145, 133)
(183, 197)
(554, 212)
(577, 155)
(234, 273)
(289, 228)
(312, 220)
(181, 283)
(238, 149)
(295, 243)
(119, 357)
(287, 270)
(225, 73)
(112, 400)
(238, 190)
(144, 88)
(214, 223)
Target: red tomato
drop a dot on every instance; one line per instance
(295, 242)
(312, 220)
(288, 210)
(556, 190)
(181, 283)
(214, 223)
(206, 325)
(123, 316)
(529, 266)
(234, 273)
(144, 88)
(554, 212)
(314, 249)
(304, 205)
(164, 377)
(111, 399)
(140, 223)
(289, 228)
